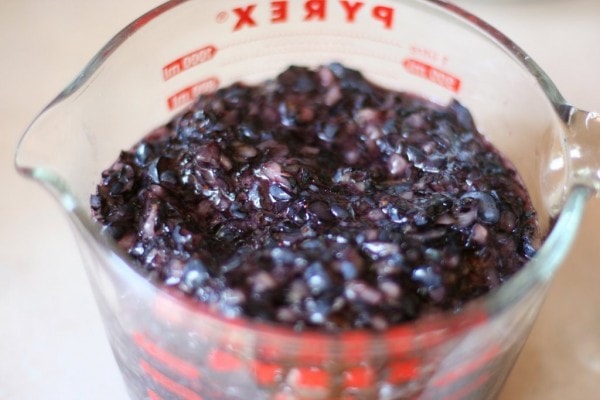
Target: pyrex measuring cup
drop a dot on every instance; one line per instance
(169, 348)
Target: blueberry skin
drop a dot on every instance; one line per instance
(320, 200)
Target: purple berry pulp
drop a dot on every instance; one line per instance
(320, 200)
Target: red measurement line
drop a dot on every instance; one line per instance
(169, 360)
(188, 61)
(468, 368)
(432, 73)
(152, 395)
(470, 388)
(190, 93)
(169, 384)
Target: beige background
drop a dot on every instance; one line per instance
(52, 344)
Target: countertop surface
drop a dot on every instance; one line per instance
(52, 343)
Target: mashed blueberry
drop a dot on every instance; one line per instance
(320, 200)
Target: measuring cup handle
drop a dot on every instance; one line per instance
(582, 143)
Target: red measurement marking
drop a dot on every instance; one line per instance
(312, 353)
(465, 391)
(403, 371)
(152, 395)
(359, 377)
(269, 351)
(167, 359)
(465, 369)
(169, 384)
(400, 340)
(309, 378)
(432, 74)
(265, 373)
(431, 55)
(222, 361)
(188, 61)
(356, 346)
(190, 93)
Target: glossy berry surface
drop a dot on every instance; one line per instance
(319, 200)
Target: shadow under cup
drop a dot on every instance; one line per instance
(170, 348)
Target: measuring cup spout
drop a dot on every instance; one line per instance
(43, 152)
(582, 143)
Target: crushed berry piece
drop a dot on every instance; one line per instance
(320, 200)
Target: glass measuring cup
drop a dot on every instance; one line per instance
(165, 346)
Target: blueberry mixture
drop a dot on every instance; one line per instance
(319, 200)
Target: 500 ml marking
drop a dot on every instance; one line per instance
(433, 74)
(188, 61)
(312, 10)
